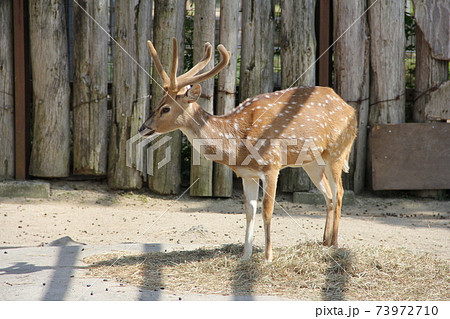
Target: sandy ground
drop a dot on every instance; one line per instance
(90, 213)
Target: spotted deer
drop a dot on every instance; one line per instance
(311, 127)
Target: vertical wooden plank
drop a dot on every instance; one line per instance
(298, 48)
(130, 87)
(226, 87)
(351, 65)
(90, 88)
(50, 154)
(23, 90)
(324, 23)
(143, 29)
(433, 18)
(387, 65)
(204, 30)
(6, 91)
(387, 51)
(167, 179)
(181, 16)
(298, 43)
(256, 71)
(430, 73)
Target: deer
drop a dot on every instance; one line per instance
(309, 127)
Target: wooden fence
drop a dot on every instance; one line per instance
(78, 121)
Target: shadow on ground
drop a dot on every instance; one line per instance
(337, 275)
(243, 274)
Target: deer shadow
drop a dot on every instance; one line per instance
(337, 275)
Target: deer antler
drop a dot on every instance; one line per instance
(174, 66)
(158, 64)
(207, 53)
(190, 78)
(174, 83)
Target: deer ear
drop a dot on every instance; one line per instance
(194, 93)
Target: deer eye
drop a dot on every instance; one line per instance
(165, 109)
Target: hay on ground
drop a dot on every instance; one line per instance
(308, 271)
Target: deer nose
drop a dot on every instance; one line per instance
(145, 131)
(142, 128)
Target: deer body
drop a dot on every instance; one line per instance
(310, 127)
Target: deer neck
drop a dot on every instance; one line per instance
(209, 126)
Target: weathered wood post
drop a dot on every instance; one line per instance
(387, 52)
(130, 87)
(90, 88)
(432, 88)
(6, 91)
(387, 65)
(430, 74)
(298, 53)
(204, 30)
(432, 55)
(226, 87)
(256, 72)
(351, 65)
(50, 154)
(167, 179)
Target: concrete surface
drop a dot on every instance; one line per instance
(316, 198)
(57, 273)
(31, 189)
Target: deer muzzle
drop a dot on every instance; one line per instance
(145, 131)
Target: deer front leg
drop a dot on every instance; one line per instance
(251, 190)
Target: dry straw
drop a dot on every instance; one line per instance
(306, 272)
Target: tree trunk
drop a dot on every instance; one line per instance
(298, 47)
(226, 87)
(387, 51)
(257, 51)
(50, 152)
(351, 65)
(430, 74)
(167, 179)
(6, 91)
(90, 89)
(130, 87)
(204, 30)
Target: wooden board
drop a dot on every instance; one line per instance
(410, 156)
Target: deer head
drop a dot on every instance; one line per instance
(173, 109)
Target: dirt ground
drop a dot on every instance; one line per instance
(90, 213)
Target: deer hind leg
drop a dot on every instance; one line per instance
(251, 190)
(270, 189)
(317, 174)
